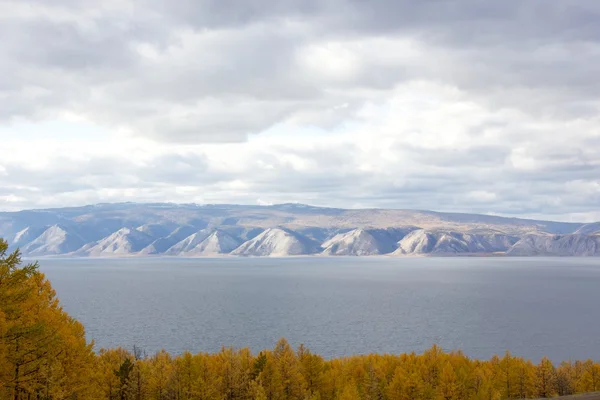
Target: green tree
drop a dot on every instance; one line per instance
(123, 373)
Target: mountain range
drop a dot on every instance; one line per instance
(191, 230)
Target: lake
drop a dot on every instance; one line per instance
(338, 306)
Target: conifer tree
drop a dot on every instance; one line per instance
(447, 387)
(590, 379)
(546, 378)
(43, 351)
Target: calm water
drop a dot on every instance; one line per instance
(338, 306)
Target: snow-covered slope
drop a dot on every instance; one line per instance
(557, 245)
(125, 241)
(277, 242)
(358, 242)
(447, 242)
(53, 241)
(218, 242)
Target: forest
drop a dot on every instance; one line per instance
(44, 355)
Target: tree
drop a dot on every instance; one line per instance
(15, 290)
(137, 380)
(590, 379)
(312, 367)
(506, 375)
(350, 391)
(159, 371)
(525, 379)
(565, 384)
(43, 351)
(406, 386)
(373, 384)
(235, 370)
(282, 374)
(124, 373)
(208, 377)
(113, 373)
(448, 388)
(546, 378)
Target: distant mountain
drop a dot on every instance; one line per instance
(188, 243)
(359, 242)
(27, 235)
(218, 242)
(157, 231)
(451, 243)
(277, 242)
(557, 245)
(123, 242)
(162, 245)
(53, 241)
(131, 229)
(589, 229)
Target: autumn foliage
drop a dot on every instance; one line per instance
(44, 356)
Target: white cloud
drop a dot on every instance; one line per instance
(328, 102)
(481, 196)
(11, 199)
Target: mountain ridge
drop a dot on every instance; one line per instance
(156, 229)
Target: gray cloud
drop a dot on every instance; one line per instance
(217, 70)
(518, 110)
(74, 175)
(468, 180)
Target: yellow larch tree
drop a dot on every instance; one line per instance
(447, 387)
(43, 351)
(546, 378)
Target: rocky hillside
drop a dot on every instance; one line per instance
(452, 243)
(588, 229)
(364, 242)
(557, 245)
(218, 242)
(277, 242)
(52, 241)
(163, 244)
(116, 230)
(123, 242)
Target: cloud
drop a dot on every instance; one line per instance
(210, 71)
(439, 104)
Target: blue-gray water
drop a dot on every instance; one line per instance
(338, 306)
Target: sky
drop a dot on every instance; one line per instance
(451, 105)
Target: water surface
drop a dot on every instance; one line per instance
(338, 306)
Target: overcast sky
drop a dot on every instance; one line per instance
(465, 105)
